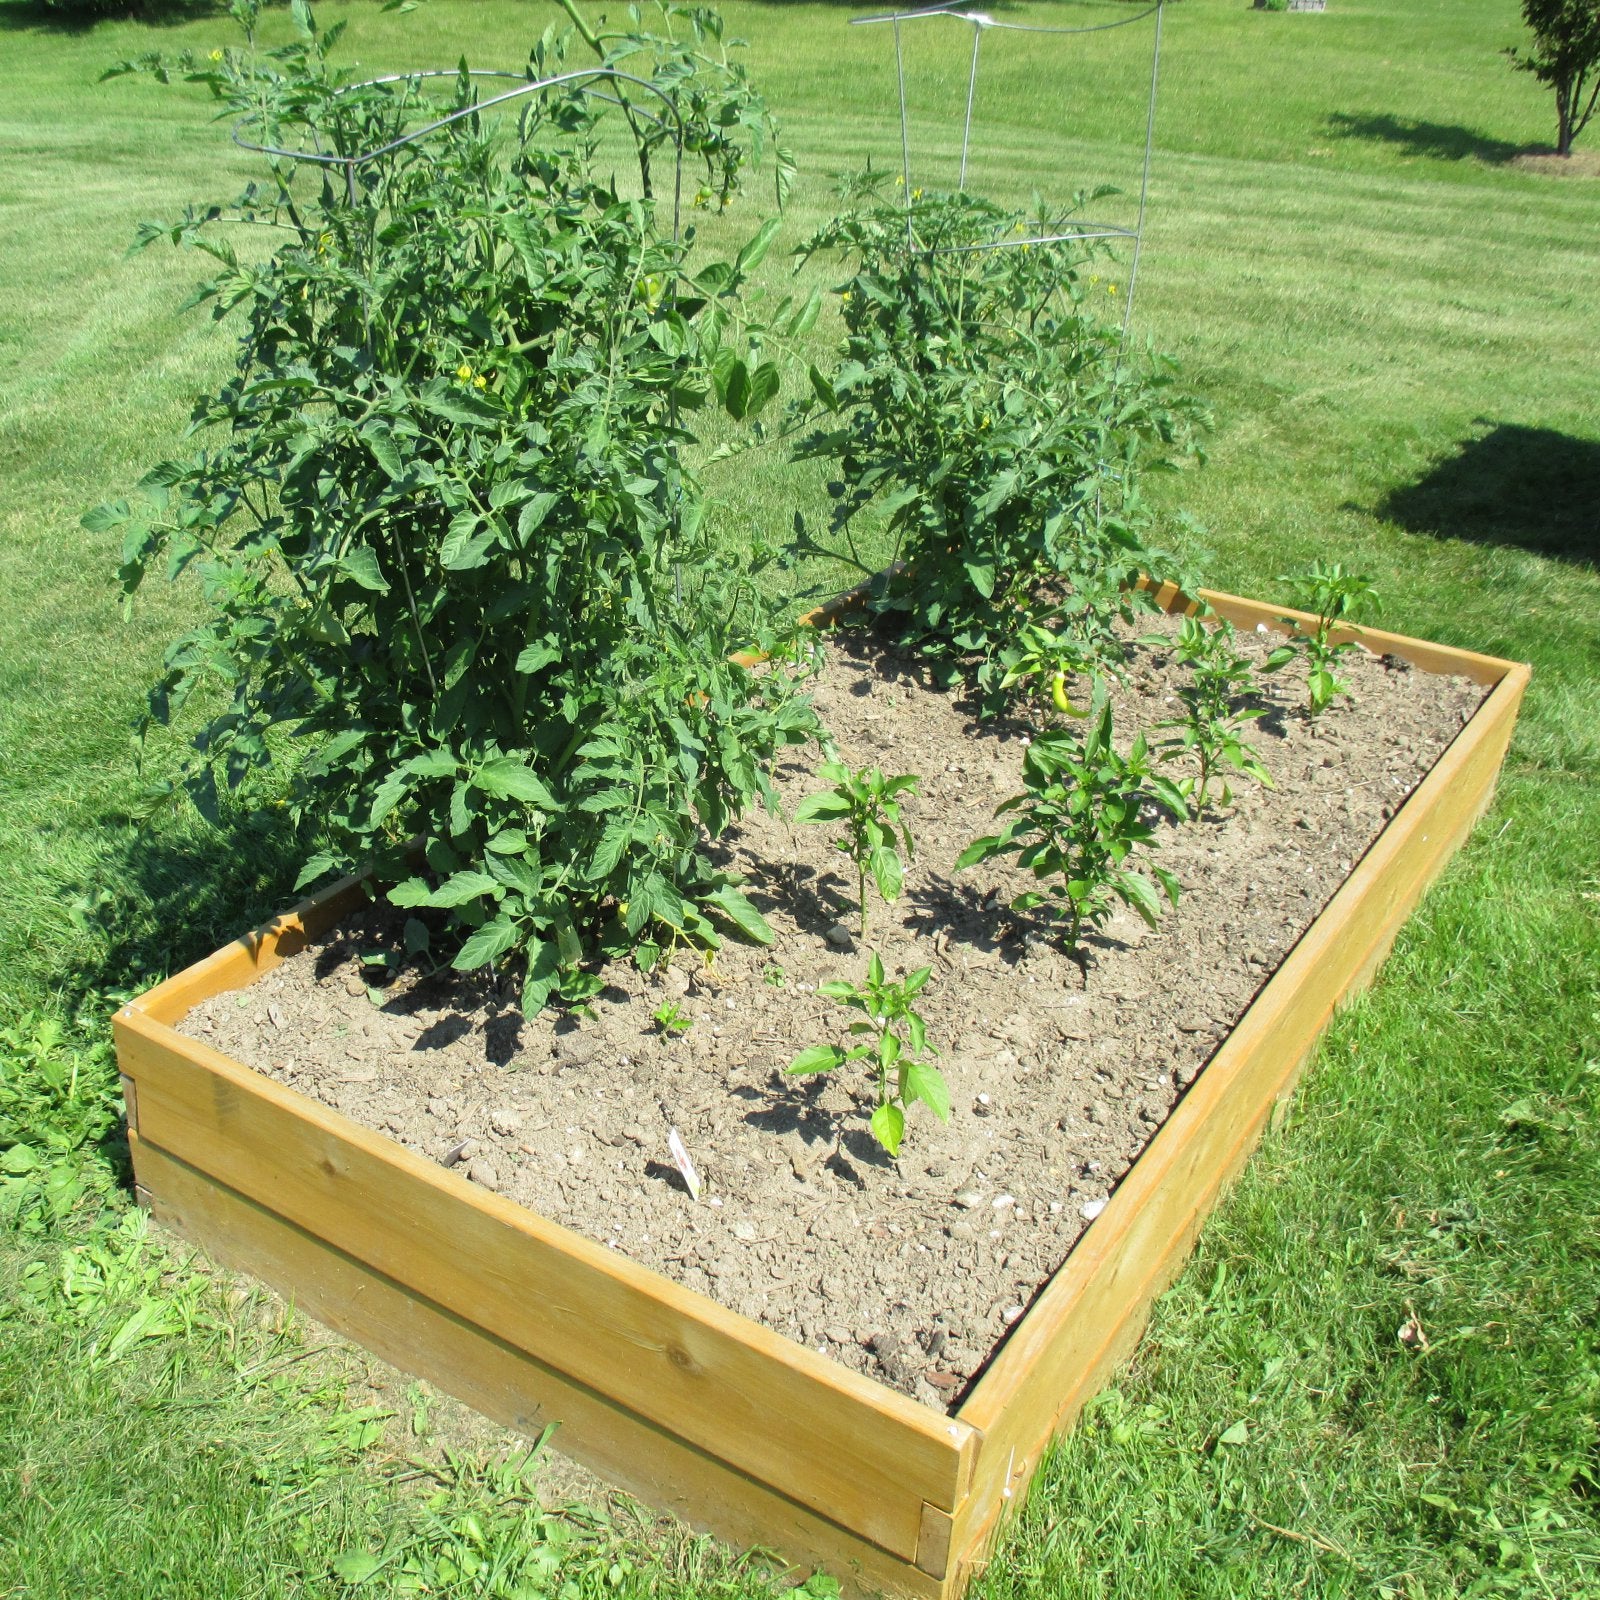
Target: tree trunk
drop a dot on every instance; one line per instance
(1563, 119)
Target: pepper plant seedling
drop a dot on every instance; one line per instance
(1078, 820)
(1336, 597)
(671, 1018)
(895, 1039)
(867, 805)
(1212, 727)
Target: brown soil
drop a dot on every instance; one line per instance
(1579, 164)
(910, 1270)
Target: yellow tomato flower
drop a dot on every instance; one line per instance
(463, 372)
(480, 382)
(1111, 288)
(916, 194)
(216, 55)
(845, 296)
(901, 182)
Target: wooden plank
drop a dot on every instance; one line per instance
(1441, 658)
(252, 955)
(853, 1450)
(933, 1547)
(1093, 1311)
(507, 1384)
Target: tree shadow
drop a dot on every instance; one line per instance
(1513, 485)
(1445, 141)
(39, 16)
(161, 895)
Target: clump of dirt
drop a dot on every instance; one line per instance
(1059, 1071)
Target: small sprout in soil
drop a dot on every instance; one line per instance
(773, 975)
(895, 1040)
(1215, 712)
(867, 806)
(1078, 820)
(670, 1018)
(1335, 597)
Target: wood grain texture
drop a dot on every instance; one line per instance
(1094, 1309)
(856, 1452)
(507, 1384)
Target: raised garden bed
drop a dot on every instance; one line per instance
(707, 1411)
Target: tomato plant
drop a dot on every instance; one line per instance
(983, 407)
(459, 578)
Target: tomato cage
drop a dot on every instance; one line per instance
(1070, 231)
(607, 85)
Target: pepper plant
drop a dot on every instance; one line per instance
(459, 579)
(1079, 819)
(1335, 597)
(867, 805)
(984, 408)
(1216, 712)
(895, 1040)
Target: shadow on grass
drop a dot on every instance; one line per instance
(80, 16)
(166, 893)
(1511, 485)
(1445, 141)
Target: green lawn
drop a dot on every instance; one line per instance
(1395, 323)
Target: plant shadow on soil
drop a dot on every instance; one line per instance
(1533, 488)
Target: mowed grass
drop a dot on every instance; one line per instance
(1395, 324)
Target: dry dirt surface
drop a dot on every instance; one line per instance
(911, 1270)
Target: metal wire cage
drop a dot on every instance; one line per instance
(981, 22)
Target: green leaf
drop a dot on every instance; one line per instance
(508, 778)
(356, 1566)
(1239, 1433)
(539, 982)
(926, 1083)
(819, 1058)
(361, 564)
(491, 941)
(764, 384)
(467, 543)
(735, 390)
(532, 515)
(753, 253)
(889, 1126)
(416, 936)
(738, 910)
(886, 870)
(981, 576)
(1140, 894)
(979, 850)
(413, 892)
(823, 390)
(824, 807)
(384, 450)
(449, 400)
(461, 887)
(537, 657)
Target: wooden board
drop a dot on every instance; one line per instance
(855, 1451)
(1092, 1312)
(689, 1405)
(502, 1382)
